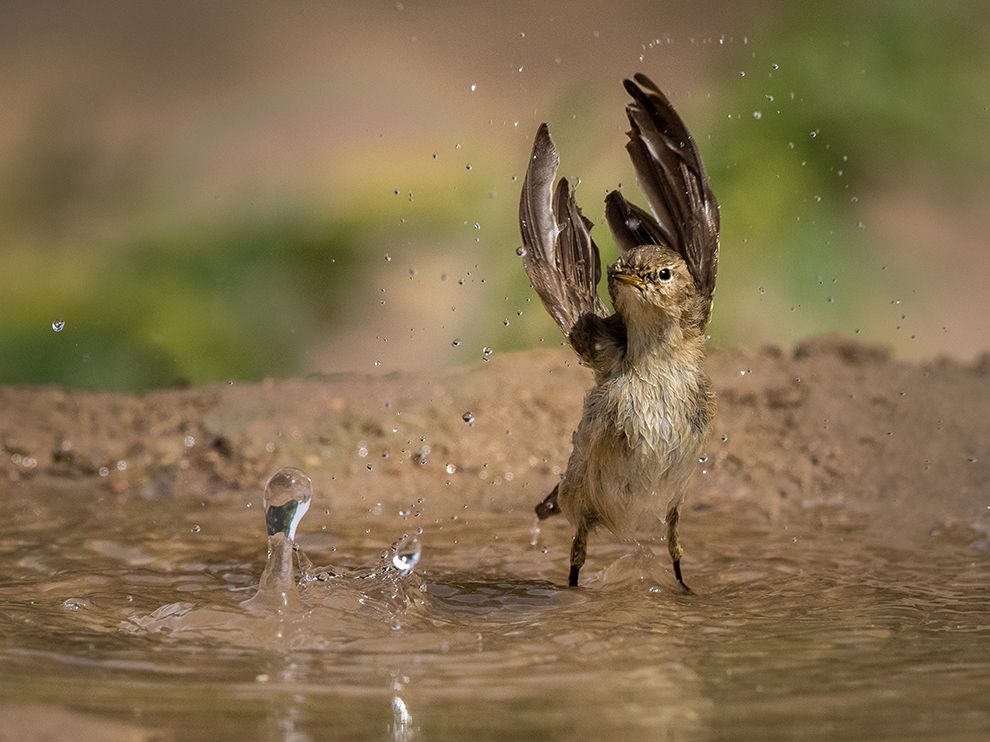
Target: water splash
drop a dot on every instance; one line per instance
(406, 554)
(287, 498)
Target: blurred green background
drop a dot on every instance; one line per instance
(206, 192)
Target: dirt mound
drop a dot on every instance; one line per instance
(835, 431)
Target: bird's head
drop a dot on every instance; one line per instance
(651, 285)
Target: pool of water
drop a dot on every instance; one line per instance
(122, 618)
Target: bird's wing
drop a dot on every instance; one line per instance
(669, 170)
(561, 259)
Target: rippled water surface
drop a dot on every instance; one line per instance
(121, 619)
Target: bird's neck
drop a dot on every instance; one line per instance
(662, 341)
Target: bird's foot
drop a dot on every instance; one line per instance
(679, 576)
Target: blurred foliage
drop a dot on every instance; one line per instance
(825, 103)
(207, 303)
(839, 99)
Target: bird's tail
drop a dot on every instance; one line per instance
(549, 505)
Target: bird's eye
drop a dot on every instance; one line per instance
(665, 274)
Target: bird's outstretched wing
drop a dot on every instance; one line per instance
(561, 259)
(669, 171)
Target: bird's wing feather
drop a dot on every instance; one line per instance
(631, 226)
(669, 170)
(561, 259)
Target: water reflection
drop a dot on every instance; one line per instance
(401, 728)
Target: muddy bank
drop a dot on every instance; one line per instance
(833, 431)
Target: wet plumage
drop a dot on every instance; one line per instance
(649, 414)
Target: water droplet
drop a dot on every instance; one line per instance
(486, 353)
(388, 258)
(406, 554)
(58, 325)
(521, 252)
(189, 441)
(468, 166)
(474, 86)
(196, 528)
(450, 468)
(775, 66)
(468, 418)
(762, 290)
(477, 225)
(287, 498)
(725, 438)
(456, 342)
(757, 115)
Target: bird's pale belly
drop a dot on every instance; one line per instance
(633, 454)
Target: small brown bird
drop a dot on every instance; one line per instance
(650, 412)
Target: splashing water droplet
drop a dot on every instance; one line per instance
(58, 325)
(468, 418)
(287, 498)
(406, 554)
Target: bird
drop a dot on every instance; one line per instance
(647, 418)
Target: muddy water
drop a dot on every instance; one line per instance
(121, 618)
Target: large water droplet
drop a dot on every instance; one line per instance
(287, 498)
(405, 554)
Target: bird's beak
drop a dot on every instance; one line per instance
(630, 279)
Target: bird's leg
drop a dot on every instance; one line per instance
(674, 544)
(579, 550)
